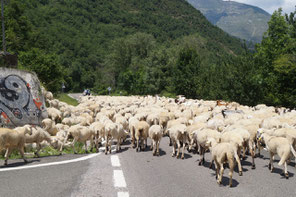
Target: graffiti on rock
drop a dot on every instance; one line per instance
(19, 104)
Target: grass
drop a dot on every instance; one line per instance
(67, 99)
(48, 151)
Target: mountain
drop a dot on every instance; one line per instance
(240, 20)
(102, 43)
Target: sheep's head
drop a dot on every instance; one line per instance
(210, 143)
(260, 137)
(28, 129)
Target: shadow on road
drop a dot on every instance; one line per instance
(20, 163)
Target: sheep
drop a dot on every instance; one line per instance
(14, 138)
(155, 133)
(221, 153)
(153, 119)
(248, 142)
(132, 129)
(178, 133)
(190, 130)
(119, 133)
(54, 114)
(80, 134)
(141, 133)
(49, 126)
(201, 136)
(110, 128)
(98, 129)
(37, 136)
(277, 145)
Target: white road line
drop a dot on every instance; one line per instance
(115, 161)
(122, 194)
(50, 164)
(118, 177)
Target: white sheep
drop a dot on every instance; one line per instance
(178, 133)
(201, 136)
(80, 134)
(277, 145)
(37, 136)
(141, 134)
(49, 126)
(155, 133)
(14, 138)
(221, 153)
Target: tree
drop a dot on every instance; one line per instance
(17, 26)
(276, 57)
(45, 66)
(185, 78)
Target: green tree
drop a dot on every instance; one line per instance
(17, 27)
(186, 70)
(45, 66)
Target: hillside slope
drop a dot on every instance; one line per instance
(243, 21)
(95, 43)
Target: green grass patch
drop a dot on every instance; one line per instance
(49, 151)
(67, 99)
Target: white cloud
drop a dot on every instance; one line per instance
(271, 5)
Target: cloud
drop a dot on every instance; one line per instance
(271, 5)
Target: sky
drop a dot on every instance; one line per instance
(271, 5)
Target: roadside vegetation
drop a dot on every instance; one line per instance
(47, 151)
(67, 99)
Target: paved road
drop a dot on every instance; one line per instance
(144, 175)
(139, 175)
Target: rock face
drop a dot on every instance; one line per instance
(240, 20)
(21, 99)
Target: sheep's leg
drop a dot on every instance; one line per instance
(218, 166)
(230, 175)
(110, 144)
(179, 146)
(270, 166)
(73, 145)
(142, 144)
(38, 149)
(184, 144)
(171, 143)
(97, 142)
(202, 155)
(240, 170)
(154, 147)
(157, 147)
(221, 173)
(8, 152)
(174, 149)
(145, 143)
(286, 170)
(85, 147)
(118, 144)
(211, 164)
(106, 145)
(23, 154)
(252, 154)
(244, 152)
(137, 149)
(152, 144)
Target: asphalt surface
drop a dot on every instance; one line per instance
(144, 174)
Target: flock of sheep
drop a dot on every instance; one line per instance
(228, 130)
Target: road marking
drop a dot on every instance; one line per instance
(115, 161)
(50, 164)
(118, 177)
(122, 194)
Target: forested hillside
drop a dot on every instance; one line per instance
(134, 46)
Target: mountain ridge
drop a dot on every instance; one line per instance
(241, 20)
